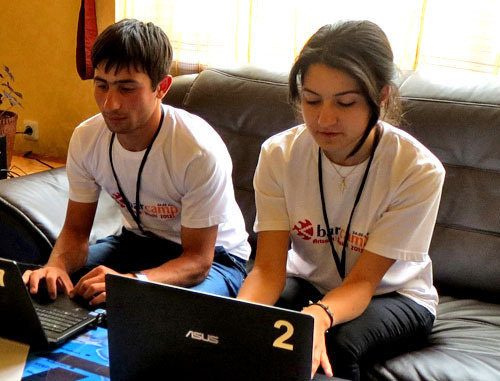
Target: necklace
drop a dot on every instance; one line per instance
(343, 185)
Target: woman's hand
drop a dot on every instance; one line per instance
(321, 324)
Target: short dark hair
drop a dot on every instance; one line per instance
(131, 43)
(361, 50)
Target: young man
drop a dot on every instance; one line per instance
(167, 169)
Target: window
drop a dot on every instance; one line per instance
(463, 35)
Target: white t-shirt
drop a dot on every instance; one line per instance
(394, 218)
(186, 179)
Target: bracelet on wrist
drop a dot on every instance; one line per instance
(325, 308)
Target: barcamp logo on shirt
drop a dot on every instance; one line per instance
(305, 230)
(160, 211)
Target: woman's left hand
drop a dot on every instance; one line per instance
(320, 356)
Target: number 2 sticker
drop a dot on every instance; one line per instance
(280, 342)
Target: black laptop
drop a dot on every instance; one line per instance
(157, 331)
(36, 319)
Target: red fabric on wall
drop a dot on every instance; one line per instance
(85, 38)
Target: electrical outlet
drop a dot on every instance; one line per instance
(30, 130)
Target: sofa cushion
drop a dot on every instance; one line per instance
(464, 343)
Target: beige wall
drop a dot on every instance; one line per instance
(38, 43)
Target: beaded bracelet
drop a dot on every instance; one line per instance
(325, 308)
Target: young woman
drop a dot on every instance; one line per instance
(357, 198)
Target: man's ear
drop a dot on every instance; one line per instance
(164, 86)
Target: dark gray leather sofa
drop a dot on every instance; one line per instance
(456, 115)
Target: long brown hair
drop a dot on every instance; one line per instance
(361, 50)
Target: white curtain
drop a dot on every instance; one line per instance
(454, 34)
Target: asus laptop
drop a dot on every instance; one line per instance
(156, 331)
(36, 319)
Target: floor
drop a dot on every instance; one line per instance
(32, 163)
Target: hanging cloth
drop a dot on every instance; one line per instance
(85, 38)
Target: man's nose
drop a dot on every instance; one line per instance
(112, 100)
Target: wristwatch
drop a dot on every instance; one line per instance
(141, 276)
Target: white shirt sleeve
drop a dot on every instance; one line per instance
(268, 183)
(208, 190)
(404, 230)
(82, 185)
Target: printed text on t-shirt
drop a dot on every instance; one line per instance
(305, 230)
(160, 211)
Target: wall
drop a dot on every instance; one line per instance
(38, 43)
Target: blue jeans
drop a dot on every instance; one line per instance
(129, 252)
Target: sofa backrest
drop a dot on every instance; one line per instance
(245, 105)
(457, 116)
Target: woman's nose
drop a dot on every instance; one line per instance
(328, 115)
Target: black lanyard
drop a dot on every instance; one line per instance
(136, 215)
(340, 262)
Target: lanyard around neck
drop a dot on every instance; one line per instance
(340, 262)
(136, 215)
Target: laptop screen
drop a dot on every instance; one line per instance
(155, 328)
(37, 320)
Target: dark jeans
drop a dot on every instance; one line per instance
(392, 324)
(129, 252)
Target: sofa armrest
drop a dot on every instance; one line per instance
(32, 213)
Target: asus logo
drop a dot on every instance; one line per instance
(202, 337)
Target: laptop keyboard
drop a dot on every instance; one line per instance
(56, 320)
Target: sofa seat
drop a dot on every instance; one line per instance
(464, 342)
